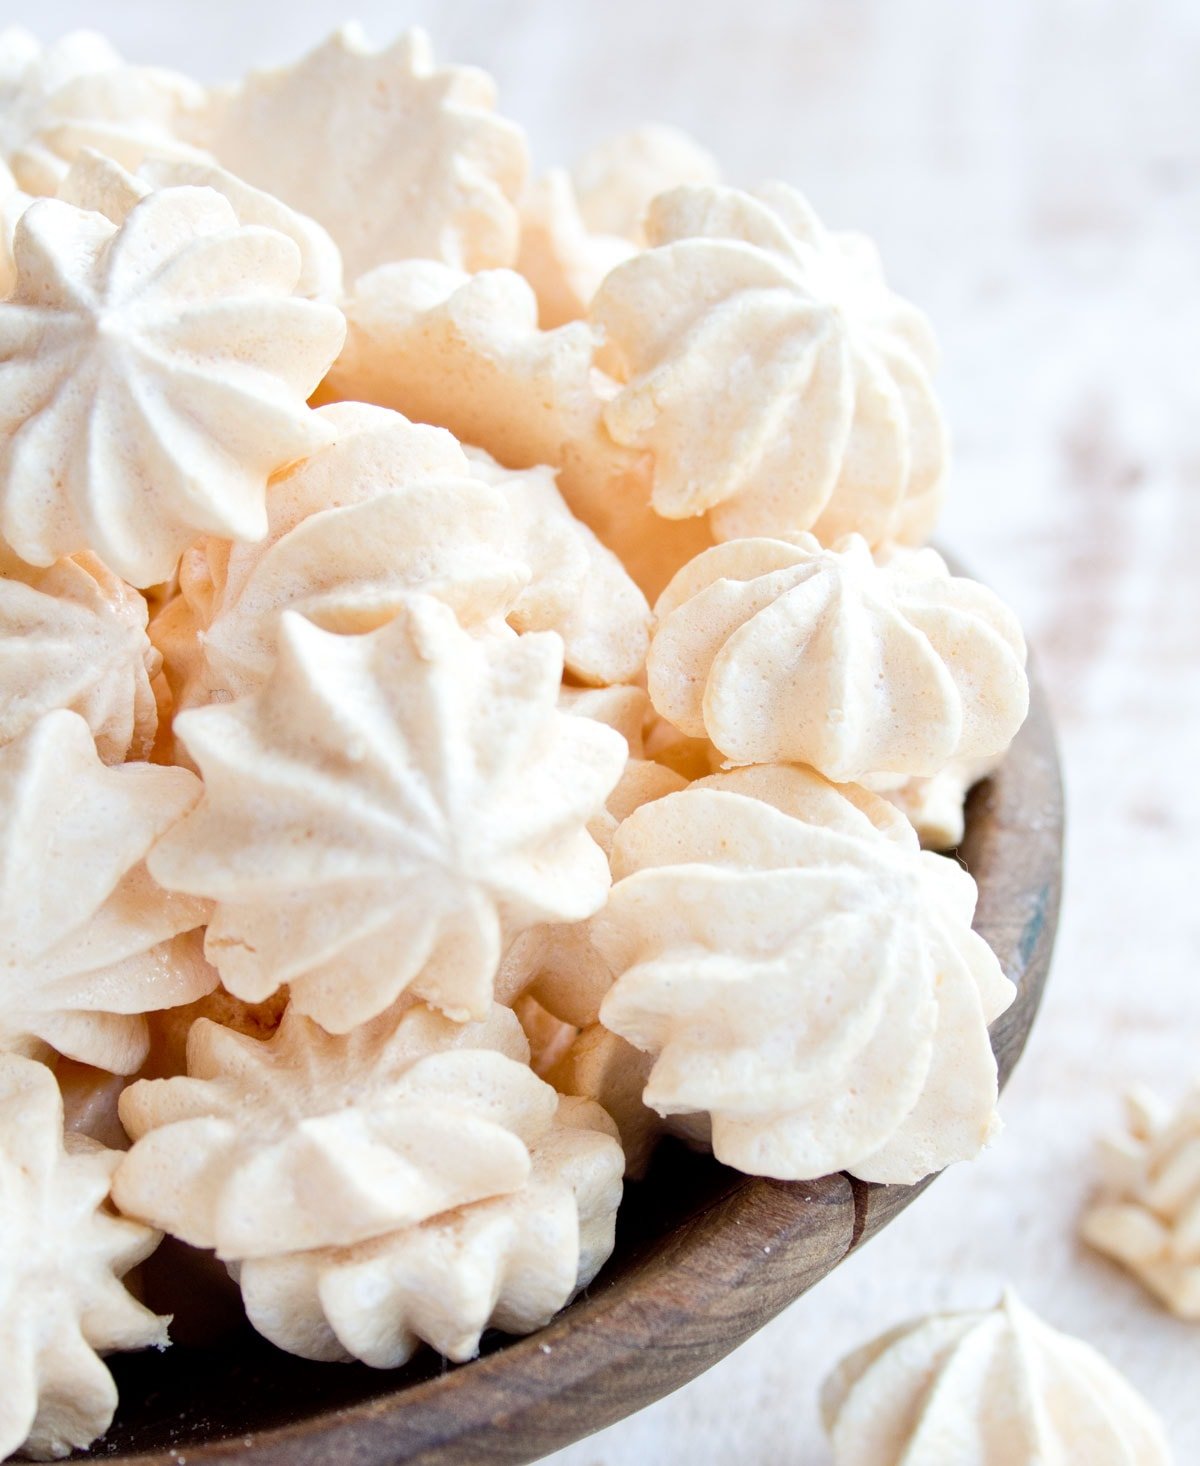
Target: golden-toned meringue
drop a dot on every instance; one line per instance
(62, 1257)
(549, 1037)
(800, 970)
(510, 1262)
(98, 183)
(306, 1140)
(88, 941)
(410, 159)
(386, 811)
(1147, 1213)
(152, 376)
(935, 807)
(385, 509)
(777, 381)
(74, 636)
(616, 180)
(577, 587)
(90, 1098)
(778, 649)
(559, 256)
(78, 93)
(465, 352)
(998, 1386)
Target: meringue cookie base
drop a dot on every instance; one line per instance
(704, 1256)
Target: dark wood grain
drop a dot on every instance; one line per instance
(704, 1257)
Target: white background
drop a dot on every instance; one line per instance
(1032, 172)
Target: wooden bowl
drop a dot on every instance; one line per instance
(704, 1257)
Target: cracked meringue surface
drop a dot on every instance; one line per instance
(411, 160)
(777, 381)
(995, 1385)
(63, 1253)
(155, 374)
(778, 649)
(385, 809)
(89, 942)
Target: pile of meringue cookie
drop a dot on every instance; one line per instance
(473, 695)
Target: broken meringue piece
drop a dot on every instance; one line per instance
(62, 1257)
(777, 649)
(152, 376)
(410, 159)
(777, 381)
(387, 811)
(305, 1140)
(74, 636)
(509, 1262)
(88, 941)
(796, 969)
(1146, 1215)
(997, 1385)
(615, 181)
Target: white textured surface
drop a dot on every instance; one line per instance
(1032, 172)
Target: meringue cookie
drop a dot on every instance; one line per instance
(386, 810)
(153, 375)
(62, 1256)
(410, 159)
(510, 1262)
(936, 807)
(169, 1029)
(1147, 1213)
(599, 1066)
(780, 650)
(98, 183)
(778, 382)
(617, 179)
(88, 941)
(758, 898)
(305, 1140)
(387, 508)
(558, 255)
(998, 1385)
(464, 352)
(13, 203)
(74, 636)
(78, 93)
(577, 587)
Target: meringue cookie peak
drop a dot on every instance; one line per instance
(387, 811)
(62, 1257)
(307, 1140)
(88, 941)
(153, 375)
(776, 380)
(778, 649)
(74, 636)
(410, 158)
(998, 1385)
(1147, 1213)
(509, 1262)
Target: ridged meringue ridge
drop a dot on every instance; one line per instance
(997, 1385)
(386, 810)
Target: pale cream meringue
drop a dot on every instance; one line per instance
(777, 649)
(998, 1386)
(410, 159)
(306, 1140)
(386, 509)
(616, 181)
(936, 806)
(62, 1257)
(152, 375)
(777, 381)
(13, 203)
(465, 352)
(386, 811)
(510, 1262)
(78, 93)
(1146, 1215)
(74, 636)
(88, 941)
(558, 255)
(758, 898)
(577, 586)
